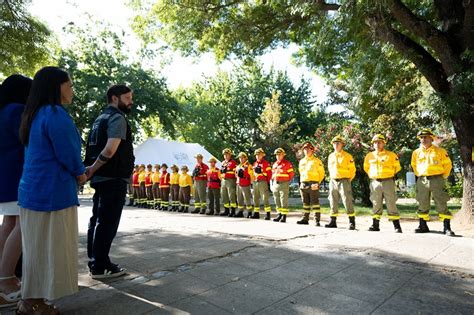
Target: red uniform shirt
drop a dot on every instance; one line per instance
(148, 181)
(265, 171)
(283, 171)
(135, 182)
(228, 168)
(200, 171)
(165, 180)
(245, 180)
(213, 178)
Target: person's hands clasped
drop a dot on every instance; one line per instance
(81, 179)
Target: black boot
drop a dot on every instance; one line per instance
(352, 223)
(130, 202)
(423, 227)
(317, 217)
(186, 209)
(304, 220)
(196, 210)
(447, 228)
(210, 212)
(218, 211)
(283, 219)
(225, 213)
(240, 214)
(181, 209)
(375, 226)
(256, 215)
(203, 211)
(232, 212)
(267, 216)
(278, 218)
(249, 214)
(165, 208)
(332, 224)
(396, 225)
(176, 208)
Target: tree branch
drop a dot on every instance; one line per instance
(436, 39)
(324, 6)
(467, 31)
(431, 69)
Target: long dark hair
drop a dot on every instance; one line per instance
(45, 90)
(14, 89)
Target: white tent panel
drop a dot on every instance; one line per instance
(154, 151)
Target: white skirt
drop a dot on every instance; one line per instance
(9, 208)
(50, 258)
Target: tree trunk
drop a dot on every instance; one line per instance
(464, 128)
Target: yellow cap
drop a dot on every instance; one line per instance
(338, 138)
(258, 151)
(227, 151)
(379, 137)
(184, 168)
(279, 150)
(198, 156)
(243, 154)
(174, 167)
(425, 132)
(212, 159)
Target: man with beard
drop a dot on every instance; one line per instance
(109, 160)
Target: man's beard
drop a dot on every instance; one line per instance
(126, 108)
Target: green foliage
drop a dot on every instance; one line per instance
(455, 190)
(225, 110)
(95, 61)
(25, 42)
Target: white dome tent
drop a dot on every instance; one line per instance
(158, 151)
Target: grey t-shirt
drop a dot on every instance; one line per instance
(117, 128)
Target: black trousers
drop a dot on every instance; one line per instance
(109, 198)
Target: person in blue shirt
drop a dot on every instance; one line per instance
(47, 193)
(13, 93)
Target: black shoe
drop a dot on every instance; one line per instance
(239, 214)
(256, 215)
(283, 219)
(210, 212)
(332, 224)
(447, 228)
(267, 216)
(352, 223)
(203, 211)
(317, 217)
(304, 220)
(110, 272)
(396, 225)
(130, 203)
(278, 218)
(225, 213)
(375, 226)
(422, 227)
(232, 213)
(218, 212)
(196, 210)
(165, 209)
(186, 210)
(249, 214)
(181, 209)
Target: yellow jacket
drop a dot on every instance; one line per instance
(311, 169)
(174, 178)
(380, 165)
(155, 177)
(431, 161)
(341, 165)
(185, 180)
(141, 176)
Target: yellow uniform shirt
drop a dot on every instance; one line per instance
(431, 161)
(380, 165)
(341, 165)
(311, 169)
(155, 177)
(141, 176)
(174, 179)
(185, 180)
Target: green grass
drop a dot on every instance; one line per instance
(407, 211)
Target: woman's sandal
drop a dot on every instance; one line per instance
(25, 308)
(7, 300)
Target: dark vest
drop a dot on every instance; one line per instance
(121, 164)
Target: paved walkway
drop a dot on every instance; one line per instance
(184, 263)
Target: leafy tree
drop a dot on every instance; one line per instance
(434, 38)
(25, 42)
(95, 61)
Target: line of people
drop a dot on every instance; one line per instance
(245, 187)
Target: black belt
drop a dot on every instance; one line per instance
(339, 179)
(432, 176)
(282, 181)
(384, 179)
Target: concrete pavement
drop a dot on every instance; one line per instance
(184, 263)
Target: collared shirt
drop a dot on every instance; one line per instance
(341, 165)
(431, 161)
(311, 169)
(282, 171)
(381, 164)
